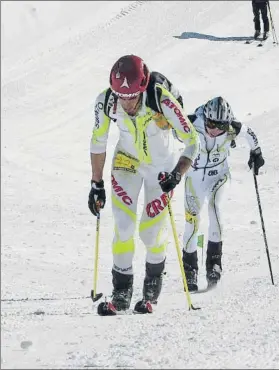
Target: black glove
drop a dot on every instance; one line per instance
(97, 197)
(169, 180)
(256, 160)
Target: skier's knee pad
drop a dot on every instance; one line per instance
(123, 253)
(124, 225)
(154, 235)
(122, 247)
(150, 229)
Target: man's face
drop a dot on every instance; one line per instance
(130, 105)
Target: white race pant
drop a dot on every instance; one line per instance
(127, 179)
(198, 187)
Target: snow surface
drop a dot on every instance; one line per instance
(56, 58)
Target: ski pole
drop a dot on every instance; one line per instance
(176, 242)
(262, 222)
(95, 296)
(275, 40)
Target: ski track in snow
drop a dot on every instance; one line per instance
(56, 58)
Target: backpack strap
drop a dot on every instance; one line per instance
(236, 125)
(110, 101)
(154, 93)
(192, 117)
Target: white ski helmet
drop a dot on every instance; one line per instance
(218, 110)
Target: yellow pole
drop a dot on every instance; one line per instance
(96, 255)
(179, 256)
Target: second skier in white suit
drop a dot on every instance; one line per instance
(217, 128)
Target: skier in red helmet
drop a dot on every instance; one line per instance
(146, 107)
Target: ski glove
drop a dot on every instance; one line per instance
(97, 197)
(169, 180)
(256, 160)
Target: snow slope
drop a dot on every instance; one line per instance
(56, 58)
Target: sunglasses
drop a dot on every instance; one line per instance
(221, 125)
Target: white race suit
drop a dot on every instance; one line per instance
(208, 177)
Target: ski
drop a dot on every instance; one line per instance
(250, 41)
(108, 309)
(261, 43)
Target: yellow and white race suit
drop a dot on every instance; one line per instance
(142, 151)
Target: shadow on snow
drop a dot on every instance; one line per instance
(201, 36)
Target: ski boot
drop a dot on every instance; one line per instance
(265, 35)
(257, 34)
(121, 295)
(213, 262)
(190, 264)
(152, 287)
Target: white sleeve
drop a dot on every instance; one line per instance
(250, 136)
(100, 132)
(177, 118)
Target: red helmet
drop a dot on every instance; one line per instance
(129, 76)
